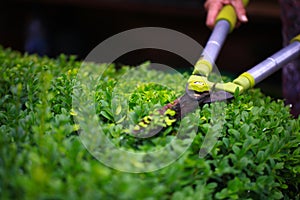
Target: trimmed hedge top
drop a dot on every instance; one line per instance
(257, 154)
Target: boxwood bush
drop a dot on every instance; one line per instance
(257, 155)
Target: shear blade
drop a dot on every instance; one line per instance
(184, 105)
(218, 96)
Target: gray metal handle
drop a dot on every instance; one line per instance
(275, 62)
(216, 41)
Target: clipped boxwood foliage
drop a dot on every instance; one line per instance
(257, 154)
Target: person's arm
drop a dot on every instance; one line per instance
(213, 8)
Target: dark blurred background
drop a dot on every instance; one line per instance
(51, 27)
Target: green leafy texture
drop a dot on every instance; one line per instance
(257, 155)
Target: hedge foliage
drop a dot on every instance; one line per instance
(257, 155)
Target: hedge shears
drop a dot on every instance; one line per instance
(200, 90)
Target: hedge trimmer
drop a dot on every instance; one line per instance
(200, 90)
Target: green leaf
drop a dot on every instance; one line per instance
(235, 133)
(226, 142)
(107, 115)
(236, 149)
(235, 185)
(118, 110)
(261, 156)
(244, 130)
(236, 93)
(223, 194)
